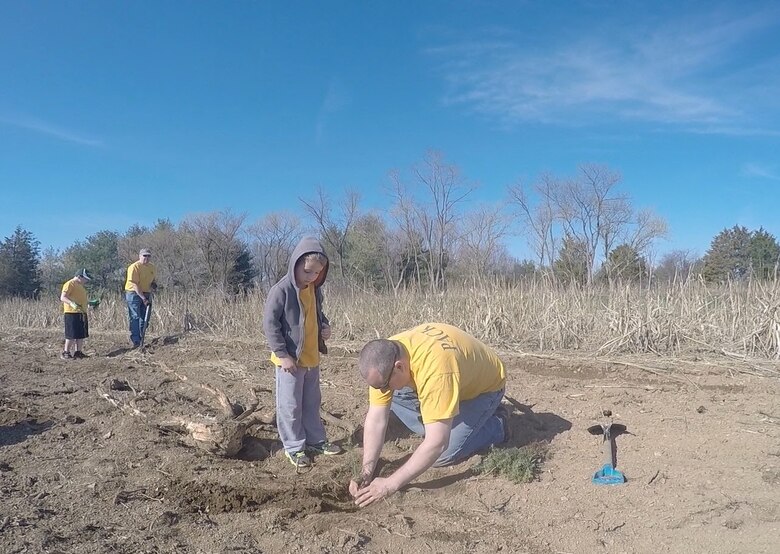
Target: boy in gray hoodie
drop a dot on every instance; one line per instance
(296, 330)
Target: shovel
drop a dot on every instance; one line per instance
(145, 324)
(608, 475)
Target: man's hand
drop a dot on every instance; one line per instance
(377, 489)
(355, 486)
(289, 365)
(74, 306)
(326, 332)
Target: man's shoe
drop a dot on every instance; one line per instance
(298, 459)
(65, 356)
(78, 354)
(502, 413)
(327, 448)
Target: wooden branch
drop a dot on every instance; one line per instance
(251, 407)
(333, 420)
(224, 401)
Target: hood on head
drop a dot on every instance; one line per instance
(307, 245)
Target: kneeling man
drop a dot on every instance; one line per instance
(443, 384)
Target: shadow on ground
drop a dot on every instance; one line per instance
(529, 426)
(18, 432)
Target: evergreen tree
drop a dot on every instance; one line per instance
(99, 253)
(573, 261)
(625, 264)
(728, 256)
(737, 253)
(241, 278)
(764, 254)
(19, 265)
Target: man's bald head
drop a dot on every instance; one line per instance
(377, 359)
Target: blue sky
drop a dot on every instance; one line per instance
(114, 113)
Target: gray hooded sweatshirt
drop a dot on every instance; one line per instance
(283, 317)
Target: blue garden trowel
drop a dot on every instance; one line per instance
(608, 475)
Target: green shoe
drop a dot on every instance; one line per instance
(327, 448)
(298, 459)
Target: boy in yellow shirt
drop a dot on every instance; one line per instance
(74, 303)
(296, 330)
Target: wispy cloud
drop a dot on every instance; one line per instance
(762, 172)
(688, 74)
(38, 126)
(336, 98)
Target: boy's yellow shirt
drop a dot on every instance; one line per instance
(76, 292)
(310, 357)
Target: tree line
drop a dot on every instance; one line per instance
(582, 229)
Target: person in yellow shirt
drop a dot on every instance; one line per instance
(140, 282)
(443, 384)
(74, 302)
(296, 329)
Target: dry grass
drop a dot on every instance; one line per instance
(742, 319)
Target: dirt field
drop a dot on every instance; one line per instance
(86, 468)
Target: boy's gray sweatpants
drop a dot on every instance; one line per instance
(298, 399)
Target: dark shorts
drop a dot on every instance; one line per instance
(76, 326)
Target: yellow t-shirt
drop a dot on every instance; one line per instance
(140, 274)
(310, 356)
(447, 365)
(76, 292)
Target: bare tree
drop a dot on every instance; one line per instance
(589, 211)
(173, 253)
(275, 237)
(677, 265)
(481, 239)
(586, 209)
(430, 224)
(410, 251)
(539, 218)
(334, 225)
(217, 237)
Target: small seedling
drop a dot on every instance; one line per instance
(355, 464)
(519, 465)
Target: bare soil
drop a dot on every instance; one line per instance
(87, 467)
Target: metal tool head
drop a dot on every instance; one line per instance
(608, 430)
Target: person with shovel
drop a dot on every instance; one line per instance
(140, 282)
(444, 385)
(74, 302)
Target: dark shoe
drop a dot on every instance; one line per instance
(66, 356)
(136, 344)
(298, 459)
(78, 355)
(502, 413)
(327, 448)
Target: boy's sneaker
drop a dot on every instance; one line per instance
(78, 355)
(298, 459)
(65, 356)
(327, 448)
